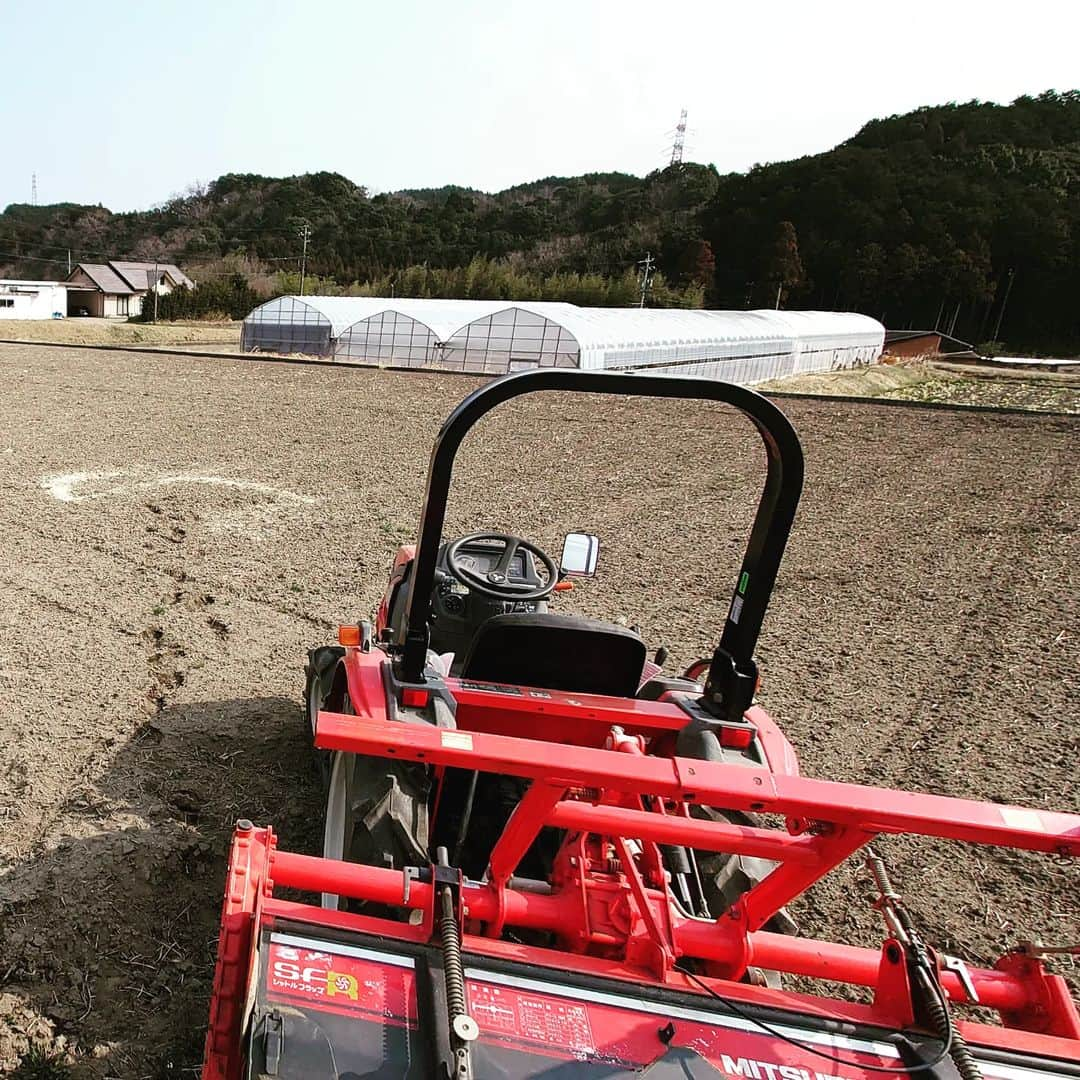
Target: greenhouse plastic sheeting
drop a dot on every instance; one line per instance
(495, 336)
(409, 333)
(303, 324)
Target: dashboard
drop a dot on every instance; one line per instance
(482, 562)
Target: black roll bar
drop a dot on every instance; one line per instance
(733, 672)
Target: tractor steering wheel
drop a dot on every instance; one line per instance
(494, 583)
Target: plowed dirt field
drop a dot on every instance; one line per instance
(175, 533)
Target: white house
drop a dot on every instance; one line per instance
(32, 299)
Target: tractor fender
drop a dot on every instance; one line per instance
(699, 739)
(726, 878)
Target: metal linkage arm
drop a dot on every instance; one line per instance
(867, 809)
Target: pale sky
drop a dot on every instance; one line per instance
(128, 104)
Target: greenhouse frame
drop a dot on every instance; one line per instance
(491, 337)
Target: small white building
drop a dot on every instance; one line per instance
(32, 299)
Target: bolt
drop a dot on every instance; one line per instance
(243, 825)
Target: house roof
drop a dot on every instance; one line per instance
(892, 336)
(178, 276)
(125, 278)
(105, 278)
(140, 275)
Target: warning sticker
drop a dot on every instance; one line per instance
(736, 609)
(620, 1031)
(538, 1018)
(557, 1022)
(490, 687)
(457, 740)
(1017, 817)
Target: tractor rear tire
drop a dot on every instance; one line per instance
(725, 878)
(324, 687)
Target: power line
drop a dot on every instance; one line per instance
(236, 238)
(207, 276)
(305, 233)
(122, 258)
(29, 258)
(93, 251)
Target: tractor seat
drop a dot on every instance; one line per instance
(556, 652)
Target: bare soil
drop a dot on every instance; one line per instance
(175, 532)
(76, 331)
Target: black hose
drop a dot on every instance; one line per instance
(945, 1028)
(934, 1001)
(466, 816)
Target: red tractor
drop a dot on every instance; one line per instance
(544, 857)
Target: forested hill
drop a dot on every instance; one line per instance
(936, 217)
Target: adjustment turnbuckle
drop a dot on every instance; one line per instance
(463, 1028)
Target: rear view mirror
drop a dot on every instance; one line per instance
(579, 555)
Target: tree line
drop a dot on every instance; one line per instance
(231, 294)
(960, 217)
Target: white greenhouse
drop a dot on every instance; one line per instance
(495, 336)
(303, 324)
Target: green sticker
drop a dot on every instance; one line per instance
(744, 580)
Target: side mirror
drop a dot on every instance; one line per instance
(579, 555)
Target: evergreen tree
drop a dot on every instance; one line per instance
(698, 264)
(781, 268)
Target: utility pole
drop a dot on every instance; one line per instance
(956, 315)
(779, 291)
(1005, 300)
(157, 278)
(33, 189)
(647, 265)
(305, 235)
(69, 261)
